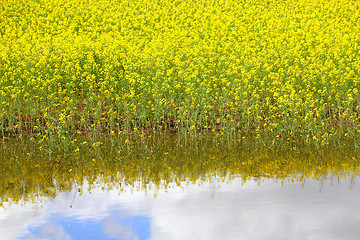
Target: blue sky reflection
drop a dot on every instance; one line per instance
(114, 226)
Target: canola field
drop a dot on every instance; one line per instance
(272, 69)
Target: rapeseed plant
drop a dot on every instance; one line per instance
(275, 69)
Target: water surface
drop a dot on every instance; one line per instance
(198, 211)
(180, 191)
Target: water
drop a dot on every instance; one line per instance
(217, 210)
(172, 191)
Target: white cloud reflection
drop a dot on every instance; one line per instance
(48, 232)
(112, 229)
(268, 211)
(233, 211)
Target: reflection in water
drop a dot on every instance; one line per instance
(58, 225)
(162, 188)
(203, 211)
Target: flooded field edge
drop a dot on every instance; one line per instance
(146, 162)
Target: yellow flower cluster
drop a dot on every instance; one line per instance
(158, 163)
(278, 68)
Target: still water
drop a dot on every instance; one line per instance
(169, 190)
(217, 210)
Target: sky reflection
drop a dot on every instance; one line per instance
(201, 211)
